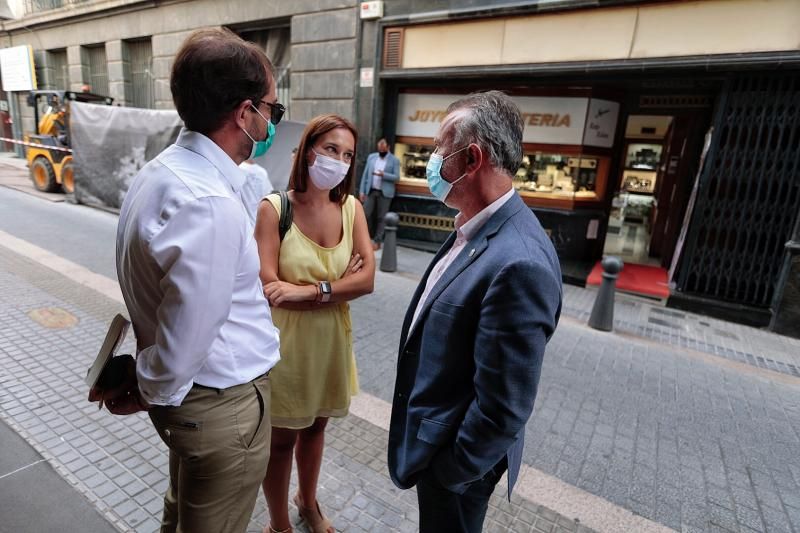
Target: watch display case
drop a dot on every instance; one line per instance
(546, 178)
(641, 167)
(557, 174)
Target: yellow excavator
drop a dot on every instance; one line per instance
(50, 163)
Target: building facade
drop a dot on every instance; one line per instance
(124, 48)
(665, 132)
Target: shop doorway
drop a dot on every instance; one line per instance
(634, 205)
(658, 163)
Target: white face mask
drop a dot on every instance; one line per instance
(327, 172)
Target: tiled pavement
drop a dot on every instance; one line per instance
(119, 463)
(744, 344)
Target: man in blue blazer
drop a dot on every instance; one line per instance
(377, 189)
(475, 332)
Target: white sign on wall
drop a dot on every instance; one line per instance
(16, 65)
(548, 120)
(367, 77)
(372, 10)
(601, 123)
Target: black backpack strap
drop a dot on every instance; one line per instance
(285, 222)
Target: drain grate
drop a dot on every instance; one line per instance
(660, 322)
(725, 334)
(667, 312)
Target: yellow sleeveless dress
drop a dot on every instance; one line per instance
(317, 374)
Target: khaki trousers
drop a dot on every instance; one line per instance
(218, 442)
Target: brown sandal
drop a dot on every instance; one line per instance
(270, 529)
(320, 525)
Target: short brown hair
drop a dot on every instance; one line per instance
(316, 128)
(215, 71)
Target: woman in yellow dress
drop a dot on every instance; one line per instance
(324, 260)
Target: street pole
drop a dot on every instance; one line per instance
(389, 254)
(602, 316)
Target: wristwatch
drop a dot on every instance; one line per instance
(324, 291)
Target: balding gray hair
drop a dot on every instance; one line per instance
(494, 123)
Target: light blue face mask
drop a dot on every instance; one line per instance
(439, 187)
(260, 147)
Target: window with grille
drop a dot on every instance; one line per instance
(393, 47)
(60, 70)
(748, 195)
(35, 6)
(275, 42)
(140, 54)
(98, 68)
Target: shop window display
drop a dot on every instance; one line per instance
(557, 174)
(542, 175)
(641, 165)
(413, 159)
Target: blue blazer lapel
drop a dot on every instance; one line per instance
(473, 249)
(412, 306)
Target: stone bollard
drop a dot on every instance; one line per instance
(602, 317)
(389, 254)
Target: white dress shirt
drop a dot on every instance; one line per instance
(380, 165)
(256, 187)
(188, 268)
(464, 232)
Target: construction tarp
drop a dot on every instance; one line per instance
(111, 144)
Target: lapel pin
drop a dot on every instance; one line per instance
(472, 252)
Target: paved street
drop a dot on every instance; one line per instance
(674, 423)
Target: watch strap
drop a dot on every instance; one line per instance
(325, 290)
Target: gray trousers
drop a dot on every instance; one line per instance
(375, 208)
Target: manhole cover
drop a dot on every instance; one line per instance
(53, 317)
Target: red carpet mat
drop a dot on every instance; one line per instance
(641, 279)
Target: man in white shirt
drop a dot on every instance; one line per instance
(188, 268)
(256, 187)
(473, 340)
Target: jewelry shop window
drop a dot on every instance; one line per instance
(567, 145)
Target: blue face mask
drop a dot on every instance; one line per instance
(260, 147)
(439, 187)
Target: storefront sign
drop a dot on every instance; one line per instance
(548, 120)
(601, 123)
(552, 120)
(16, 65)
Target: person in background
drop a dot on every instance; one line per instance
(377, 189)
(474, 336)
(256, 187)
(323, 261)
